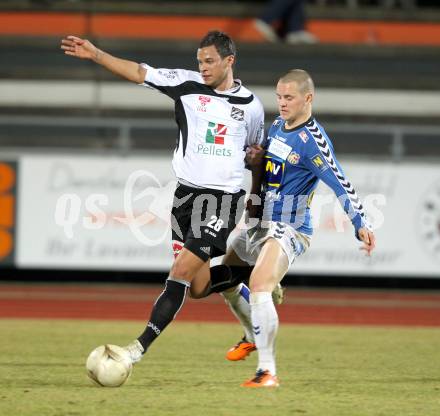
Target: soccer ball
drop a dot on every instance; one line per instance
(109, 366)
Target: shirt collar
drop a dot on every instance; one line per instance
(234, 89)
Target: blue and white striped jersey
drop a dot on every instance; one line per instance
(295, 160)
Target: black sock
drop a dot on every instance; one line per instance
(241, 273)
(224, 277)
(164, 310)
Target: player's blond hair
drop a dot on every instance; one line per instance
(302, 79)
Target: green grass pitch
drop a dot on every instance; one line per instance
(324, 371)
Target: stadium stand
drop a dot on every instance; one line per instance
(394, 82)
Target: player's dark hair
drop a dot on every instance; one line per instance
(223, 43)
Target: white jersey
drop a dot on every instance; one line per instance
(215, 127)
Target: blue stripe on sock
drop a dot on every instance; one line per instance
(244, 292)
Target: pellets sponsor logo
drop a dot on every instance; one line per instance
(216, 133)
(215, 140)
(212, 150)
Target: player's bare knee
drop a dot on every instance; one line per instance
(182, 270)
(258, 288)
(261, 285)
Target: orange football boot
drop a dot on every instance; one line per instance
(262, 379)
(241, 350)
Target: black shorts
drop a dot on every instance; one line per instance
(202, 219)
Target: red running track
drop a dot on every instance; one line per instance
(134, 302)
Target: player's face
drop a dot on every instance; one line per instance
(213, 68)
(293, 105)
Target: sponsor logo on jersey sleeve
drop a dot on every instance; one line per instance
(318, 161)
(293, 158)
(168, 73)
(303, 136)
(237, 114)
(274, 171)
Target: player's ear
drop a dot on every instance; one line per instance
(309, 98)
(230, 60)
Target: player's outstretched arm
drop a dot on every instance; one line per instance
(369, 240)
(84, 49)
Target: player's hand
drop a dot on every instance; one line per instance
(80, 48)
(369, 240)
(252, 210)
(254, 155)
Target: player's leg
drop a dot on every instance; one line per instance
(215, 279)
(228, 280)
(237, 298)
(240, 257)
(204, 221)
(271, 266)
(201, 283)
(185, 266)
(225, 278)
(169, 302)
(213, 218)
(220, 278)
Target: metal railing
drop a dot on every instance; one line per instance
(400, 138)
